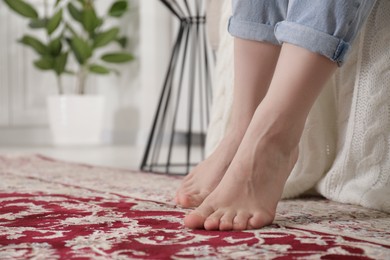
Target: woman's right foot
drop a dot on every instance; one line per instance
(247, 196)
(203, 179)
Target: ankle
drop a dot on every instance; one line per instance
(279, 131)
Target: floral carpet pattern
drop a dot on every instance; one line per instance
(57, 210)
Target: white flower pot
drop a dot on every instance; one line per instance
(76, 119)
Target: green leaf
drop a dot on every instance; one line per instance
(118, 57)
(34, 43)
(118, 8)
(23, 8)
(122, 42)
(57, 2)
(54, 22)
(75, 13)
(104, 38)
(98, 69)
(71, 29)
(90, 20)
(81, 49)
(38, 23)
(45, 63)
(60, 63)
(55, 46)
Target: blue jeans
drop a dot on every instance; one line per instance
(327, 27)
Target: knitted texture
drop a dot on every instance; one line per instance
(223, 84)
(345, 147)
(361, 172)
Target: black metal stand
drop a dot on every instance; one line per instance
(183, 108)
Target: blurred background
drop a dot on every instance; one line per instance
(131, 97)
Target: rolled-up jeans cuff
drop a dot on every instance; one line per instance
(313, 40)
(252, 31)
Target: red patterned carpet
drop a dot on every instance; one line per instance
(57, 210)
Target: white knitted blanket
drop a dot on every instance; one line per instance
(345, 148)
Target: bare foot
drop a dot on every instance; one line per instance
(247, 196)
(203, 179)
(254, 66)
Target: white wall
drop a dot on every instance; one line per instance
(155, 49)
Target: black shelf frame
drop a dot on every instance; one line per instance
(190, 67)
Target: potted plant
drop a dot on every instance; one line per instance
(76, 44)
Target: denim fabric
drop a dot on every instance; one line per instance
(327, 27)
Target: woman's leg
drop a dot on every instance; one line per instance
(248, 194)
(254, 66)
(250, 87)
(251, 188)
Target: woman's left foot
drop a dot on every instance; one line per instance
(203, 179)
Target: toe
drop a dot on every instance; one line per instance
(212, 222)
(189, 201)
(185, 200)
(240, 222)
(226, 222)
(178, 196)
(197, 218)
(259, 220)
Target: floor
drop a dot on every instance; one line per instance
(48, 211)
(125, 157)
